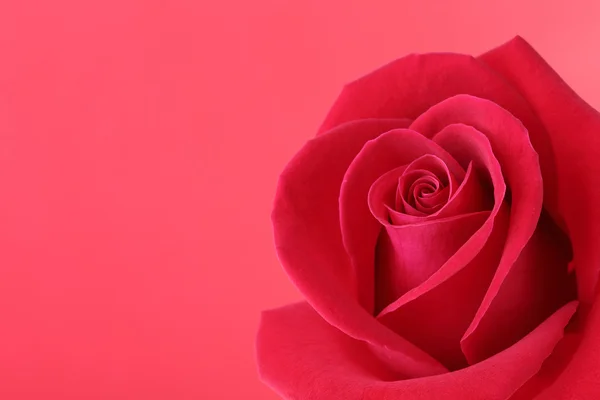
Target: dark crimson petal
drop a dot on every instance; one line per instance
(301, 356)
(435, 314)
(537, 285)
(410, 210)
(359, 228)
(309, 243)
(574, 132)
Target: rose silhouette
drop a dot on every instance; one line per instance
(444, 229)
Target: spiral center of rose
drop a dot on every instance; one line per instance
(426, 193)
(424, 187)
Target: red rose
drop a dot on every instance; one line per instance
(444, 227)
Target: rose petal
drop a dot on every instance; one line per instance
(410, 85)
(409, 254)
(359, 228)
(460, 284)
(475, 147)
(420, 186)
(301, 356)
(553, 366)
(468, 198)
(573, 128)
(573, 372)
(383, 195)
(309, 244)
(431, 204)
(410, 210)
(519, 161)
(537, 285)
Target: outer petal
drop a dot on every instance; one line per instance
(573, 128)
(580, 377)
(309, 243)
(405, 88)
(574, 132)
(301, 356)
(552, 368)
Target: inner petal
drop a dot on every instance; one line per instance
(406, 186)
(433, 201)
(428, 192)
(470, 196)
(419, 187)
(462, 280)
(358, 227)
(426, 185)
(408, 255)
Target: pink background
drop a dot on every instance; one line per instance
(140, 143)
